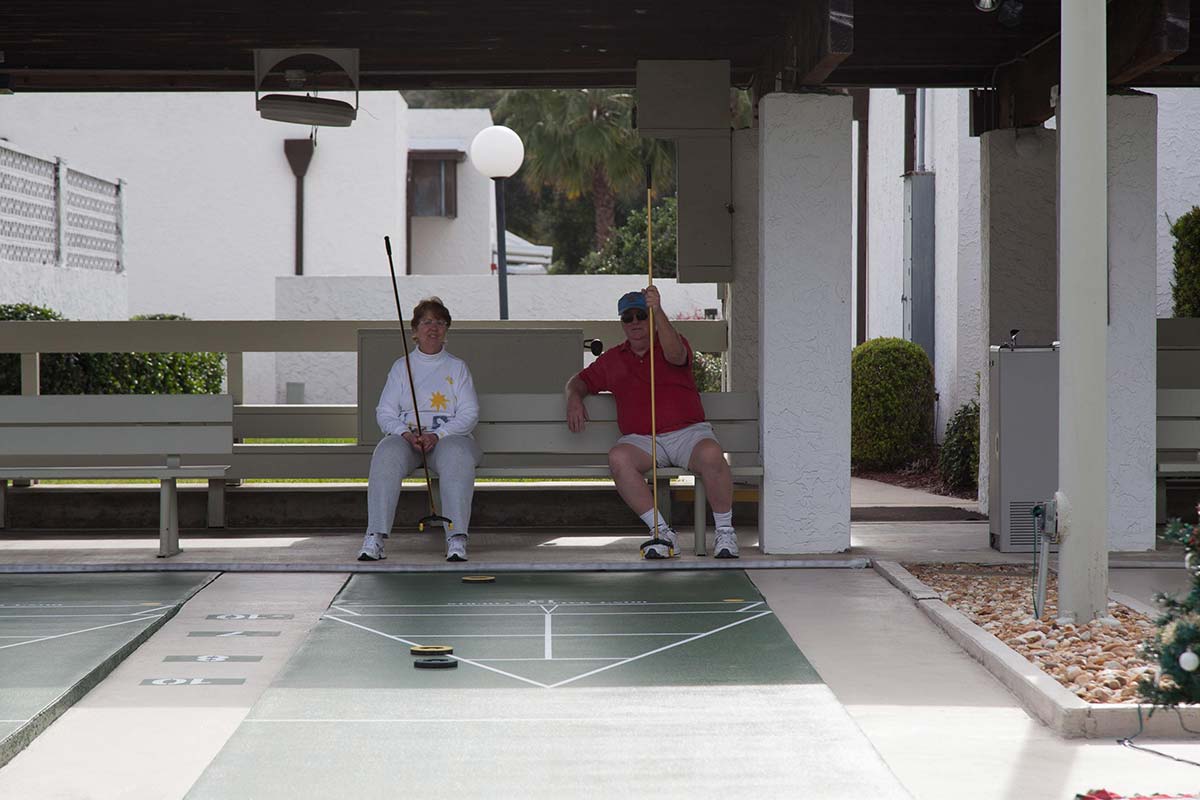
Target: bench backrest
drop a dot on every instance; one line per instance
(531, 428)
(66, 425)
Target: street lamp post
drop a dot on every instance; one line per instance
(497, 152)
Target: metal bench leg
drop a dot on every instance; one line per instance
(168, 519)
(700, 517)
(1160, 502)
(216, 502)
(3, 504)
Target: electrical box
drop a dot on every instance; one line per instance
(918, 299)
(1023, 451)
(683, 98)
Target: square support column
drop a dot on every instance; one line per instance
(1132, 334)
(805, 233)
(743, 291)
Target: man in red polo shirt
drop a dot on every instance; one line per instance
(684, 438)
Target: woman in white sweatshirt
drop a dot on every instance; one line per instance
(449, 410)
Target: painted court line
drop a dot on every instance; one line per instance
(526, 603)
(423, 720)
(659, 650)
(456, 658)
(72, 633)
(573, 658)
(346, 610)
(563, 613)
(64, 616)
(549, 638)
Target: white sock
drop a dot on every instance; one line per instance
(723, 520)
(648, 518)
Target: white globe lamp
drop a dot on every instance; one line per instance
(497, 153)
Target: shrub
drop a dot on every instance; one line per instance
(891, 404)
(1185, 288)
(112, 373)
(707, 369)
(958, 461)
(625, 251)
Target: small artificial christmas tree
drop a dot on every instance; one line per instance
(1176, 645)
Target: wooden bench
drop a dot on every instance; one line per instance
(1177, 442)
(81, 437)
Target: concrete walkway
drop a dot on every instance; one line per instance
(939, 721)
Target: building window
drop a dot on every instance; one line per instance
(433, 183)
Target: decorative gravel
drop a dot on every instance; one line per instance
(1100, 662)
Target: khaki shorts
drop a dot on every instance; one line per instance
(674, 448)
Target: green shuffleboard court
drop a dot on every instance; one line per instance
(672, 684)
(60, 634)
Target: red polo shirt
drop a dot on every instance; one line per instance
(627, 376)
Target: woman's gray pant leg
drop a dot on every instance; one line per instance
(455, 459)
(391, 463)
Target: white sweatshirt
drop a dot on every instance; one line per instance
(445, 392)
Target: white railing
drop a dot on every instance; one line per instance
(53, 214)
(235, 337)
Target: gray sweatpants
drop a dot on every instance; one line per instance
(454, 460)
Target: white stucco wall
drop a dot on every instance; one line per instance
(330, 377)
(885, 233)
(954, 158)
(1132, 243)
(209, 219)
(462, 245)
(74, 293)
(1178, 178)
(805, 196)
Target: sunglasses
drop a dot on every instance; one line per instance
(630, 316)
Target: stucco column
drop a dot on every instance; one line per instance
(805, 188)
(1132, 245)
(1083, 314)
(742, 300)
(1018, 237)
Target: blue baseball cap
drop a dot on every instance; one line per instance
(631, 300)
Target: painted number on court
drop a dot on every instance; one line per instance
(193, 681)
(249, 616)
(214, 658)
(224, 634)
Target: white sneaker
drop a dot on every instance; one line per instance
(456, 547)
(372, 549)
(725, 544)
(655, 551)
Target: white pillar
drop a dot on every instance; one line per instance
(1019, 243)
(743, 292)
(1083, 313)
(804, 383)
(1132, 334)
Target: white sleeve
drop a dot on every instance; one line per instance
(391, 399)
(466, 406)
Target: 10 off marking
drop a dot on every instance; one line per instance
(214, 659)
(193, 681)
(249, 616)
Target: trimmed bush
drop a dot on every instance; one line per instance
(1185, 288)
(891, 404)
(112, 373)
(706, 370)
(958, 460)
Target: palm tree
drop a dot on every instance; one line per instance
(581, 141)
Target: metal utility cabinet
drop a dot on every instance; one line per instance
(1023, 451)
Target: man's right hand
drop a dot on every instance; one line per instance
(577, 416)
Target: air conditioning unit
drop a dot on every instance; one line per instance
(1023, 451)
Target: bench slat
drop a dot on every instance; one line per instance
(598, 437)
(122, 473)
(300, 421)
(718, 406)
(1183, 434)
(115, 409)
(1179, 403)
(103, 439)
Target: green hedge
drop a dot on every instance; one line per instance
(1185, 289)
(891, 404)
(112, 373)
(958, 460)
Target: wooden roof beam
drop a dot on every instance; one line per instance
(820, 38)
(1142, 35)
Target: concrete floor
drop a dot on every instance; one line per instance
(938, 720)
